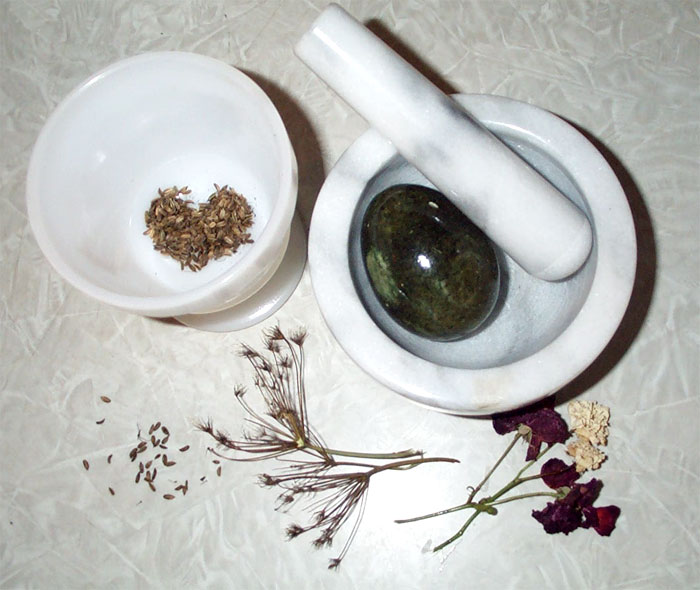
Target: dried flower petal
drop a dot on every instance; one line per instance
(602, 519)
(585, 455)
(557, 474)
(566, 515)
(558, 518)
(546, 424)
(590, 421)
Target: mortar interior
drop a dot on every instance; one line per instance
(530, 312)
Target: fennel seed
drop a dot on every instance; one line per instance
(195, 235)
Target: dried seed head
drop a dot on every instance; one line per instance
(294, 530)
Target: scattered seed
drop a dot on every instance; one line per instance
(148, 464)
(100, 421)
(166, 432)
(105, 399)
(150, 485)
(168, 496)
(138, 477)
(111, 491)
(109, 459)
(86, 464)
(218, 471)
(216, 461)
(185, 448)
(155, 472)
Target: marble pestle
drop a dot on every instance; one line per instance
(537, 226)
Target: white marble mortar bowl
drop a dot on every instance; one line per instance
(541, 335)
(154, 121)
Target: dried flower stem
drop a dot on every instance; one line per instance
(334, 485)
(338, 453)
(488, 503)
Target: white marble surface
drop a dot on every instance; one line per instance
(625, 72)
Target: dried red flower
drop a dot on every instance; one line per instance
(602, 519)
(545, 423)
(557, 474)
(576, 510)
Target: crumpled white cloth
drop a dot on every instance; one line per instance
(625, 72)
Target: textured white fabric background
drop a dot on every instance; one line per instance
(625, 72)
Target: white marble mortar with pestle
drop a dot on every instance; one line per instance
(535, 186)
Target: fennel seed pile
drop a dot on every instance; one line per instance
(194, 235)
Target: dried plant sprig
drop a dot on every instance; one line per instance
(334, 483)
(572, 505)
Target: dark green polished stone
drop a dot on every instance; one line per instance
(431, 268)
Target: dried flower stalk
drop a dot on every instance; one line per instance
(334, 482)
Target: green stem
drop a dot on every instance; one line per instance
(509, 448)
(389, 456)
(441, 512)
(409, 463)
(487, 504)
(481, 508)
(517, 480)
(458, 534)
(522, 496)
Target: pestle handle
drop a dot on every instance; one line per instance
(537, 226)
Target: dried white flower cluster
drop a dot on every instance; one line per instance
(589, 421)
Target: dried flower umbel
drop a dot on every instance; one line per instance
(195, 235)
(334, 482)
(572, 506)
